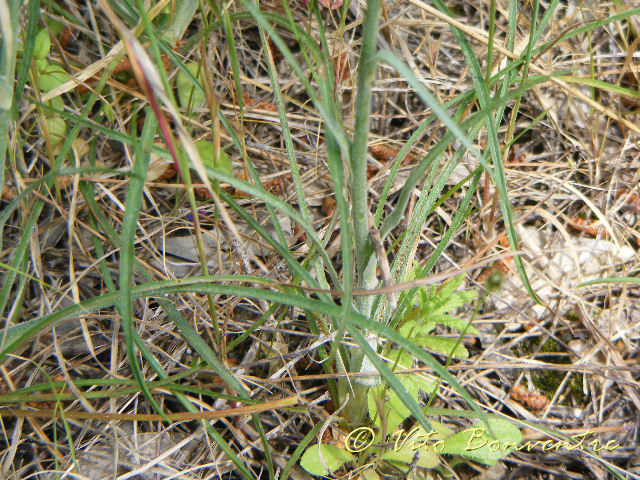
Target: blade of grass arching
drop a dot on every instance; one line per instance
(23, 331)
(16, 334)
(127, 253)
(33, 11)
(124, 387)
(496, 173)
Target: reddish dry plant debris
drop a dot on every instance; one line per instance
(275, 51)
(65, 37)
(333, 438)
(593, 228)
(532, 400)
(299, 234)
(251, 103)
(342, 67)
(501, 265)
(169, 174)
(371, 171)
(384, 154)
(275, 186)
(630, 198)
(202, 193)
(8, 194)
(328, 206)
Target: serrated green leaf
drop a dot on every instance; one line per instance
(333, 457)
(423, 384)
(414, 328)
(401, 358)
(445, 346)
(476, 443)
(454, 323)
(444, 303)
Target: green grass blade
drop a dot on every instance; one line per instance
(127, 254)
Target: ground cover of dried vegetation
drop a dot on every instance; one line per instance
(184, 248)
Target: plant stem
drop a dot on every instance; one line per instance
(8, 48)
(358, 160)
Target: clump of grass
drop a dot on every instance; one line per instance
(263, 110)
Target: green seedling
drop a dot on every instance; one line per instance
(48, 77)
